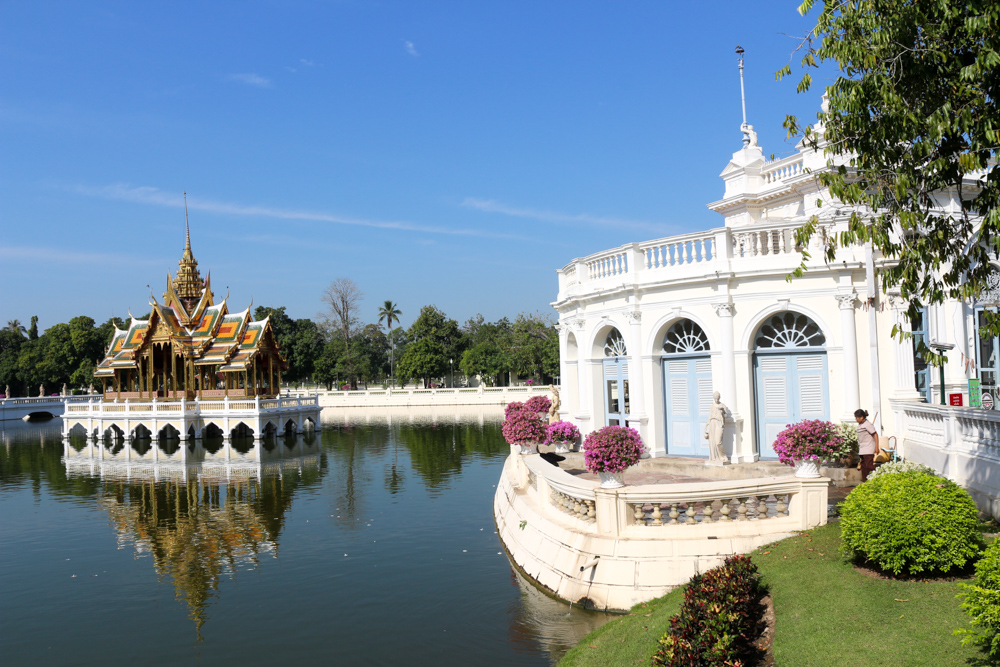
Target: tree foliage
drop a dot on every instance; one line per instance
(914, 119)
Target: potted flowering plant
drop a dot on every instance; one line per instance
(522, 427)
(806, 443)
(538, 404)
(609, 451)
(563, 435)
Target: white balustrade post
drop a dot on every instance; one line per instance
(902, 350)
(848, 329)
(636, 262)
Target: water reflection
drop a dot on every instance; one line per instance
(201, 511)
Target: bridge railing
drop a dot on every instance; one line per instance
(183, 407)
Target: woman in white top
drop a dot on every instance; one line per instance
(867, 443)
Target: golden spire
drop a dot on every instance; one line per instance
(189, 284)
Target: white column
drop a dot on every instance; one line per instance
(848, 330)
(730, 396)
(636, 375)
(902, 351)
(582, 375)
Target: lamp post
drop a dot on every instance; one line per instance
(451, 362)
(941, 348)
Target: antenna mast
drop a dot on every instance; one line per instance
(743, 97)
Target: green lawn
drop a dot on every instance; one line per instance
(826, 614)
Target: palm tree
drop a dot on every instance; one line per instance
(390, 312)
(16, 327)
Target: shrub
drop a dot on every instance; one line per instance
(982, 602)
(901, 466)
(911, 522)
(538, 404)
(719, 618)
(521, 426)
(808, 439)
(612, 449)
(849, 440)
(561, 432)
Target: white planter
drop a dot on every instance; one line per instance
(612, 480)
(563, 447)
(528, 448)
(807, 468)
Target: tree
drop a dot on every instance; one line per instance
(434, 339)
(389, 313)
(914, 118)
(489, 345)
(534, 346)
(33, 331)
(343, 297)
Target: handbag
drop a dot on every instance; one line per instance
(882, 456)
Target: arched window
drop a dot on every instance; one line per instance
(685, 337)
(614, 345)
(789, 330)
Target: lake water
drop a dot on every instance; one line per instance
(369, 543)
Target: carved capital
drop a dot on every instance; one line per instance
(846, 301)
(633, 316)
(723, 309)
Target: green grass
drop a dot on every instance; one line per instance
(826, 613)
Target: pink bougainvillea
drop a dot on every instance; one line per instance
(538, 404)
(808, 439)
(565, 432)
(612, 449)
(521, 425)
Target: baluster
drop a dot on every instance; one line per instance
(657, 515)
(673, 513)
(577, 507)
(709, 511)
(662, 251)
(781, 506)
(742, 510)
(724, 511)
(690, 513)
(710, 246)
(674, 255)
(591, 510)
(639, 514)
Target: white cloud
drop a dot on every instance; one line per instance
(410, 48)
(493, 206)
(252, 79)
(157, 197)
(307, 62)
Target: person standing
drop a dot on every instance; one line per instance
(867, 443)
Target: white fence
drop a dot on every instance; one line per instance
(426, 397)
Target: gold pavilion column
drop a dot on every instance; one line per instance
(270, 374)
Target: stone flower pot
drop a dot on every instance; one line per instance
(612, 480)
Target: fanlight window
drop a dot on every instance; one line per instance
(685, 337)
(789, 330)
(614, 346)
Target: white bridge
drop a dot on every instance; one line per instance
(39, 406)
(192, 419)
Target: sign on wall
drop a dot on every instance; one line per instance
(955, 399)
(975, 393)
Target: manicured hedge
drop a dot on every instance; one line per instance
(911, 523)
(982, 603)
(719, 619)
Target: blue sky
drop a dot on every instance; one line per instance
(454, 153)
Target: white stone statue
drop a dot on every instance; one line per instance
(750, 134)
(6, 391)
(90, 389)
(714, 430)
(41, 390)
(64, 389)
(554, 408)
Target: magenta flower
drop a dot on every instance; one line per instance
(808, 439)
(561, 432)
(612, 449)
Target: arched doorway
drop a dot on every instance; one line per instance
(687, 388)
(616, 405)
(790, 382)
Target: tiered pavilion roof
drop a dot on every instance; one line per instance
(192, 347)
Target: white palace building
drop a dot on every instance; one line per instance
(649, 330)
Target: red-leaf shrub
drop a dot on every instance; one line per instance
(719, 619)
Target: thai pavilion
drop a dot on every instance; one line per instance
(194, 360)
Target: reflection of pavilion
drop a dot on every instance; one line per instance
(201, 513)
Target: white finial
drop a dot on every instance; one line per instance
(743, 97)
